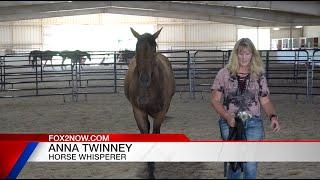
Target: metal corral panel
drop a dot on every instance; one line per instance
(209, 45)
(311, 31)
(285, 33)
(288, 56)
(27, 34)
(5, 34)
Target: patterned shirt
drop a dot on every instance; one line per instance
(235, 99)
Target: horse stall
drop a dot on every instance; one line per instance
(91, 100)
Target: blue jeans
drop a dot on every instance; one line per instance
(254, 131)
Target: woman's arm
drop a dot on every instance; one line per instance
(270, 111)
(218, 107)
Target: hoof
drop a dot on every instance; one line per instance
(151, 176)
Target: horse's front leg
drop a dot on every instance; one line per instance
(62, 64)
(34, 62)
(158, 120)
(142, 121)
(144, 127)
(52, 64)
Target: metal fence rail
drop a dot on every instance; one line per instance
(194, 71)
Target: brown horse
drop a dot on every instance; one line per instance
(75, 56)
(34, 55)
(149, 85)
(43, 55)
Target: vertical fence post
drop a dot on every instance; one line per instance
(1, 67)
(224, 58)
(4, 73)
(37, 89)
(314, 61)
(308, 76)
(79, 70)
(189, 74)
(267, 65)
(115, 71)
(188, 65)
(72, 79)
(296, 66)
(40, 64)
(193, 74)
(77, 79)
(229, 53)
(312, 71)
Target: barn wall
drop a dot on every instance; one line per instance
(285, 33)
(311, 31)
(197, 35)
(176, 33)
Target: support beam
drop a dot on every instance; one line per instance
(166, 14)
(242, 16)
(246, 13)
(300, 7)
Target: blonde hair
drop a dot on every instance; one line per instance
(256, 64)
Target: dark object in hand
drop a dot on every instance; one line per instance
(237, 133)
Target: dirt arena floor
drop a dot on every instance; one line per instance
(112, 113)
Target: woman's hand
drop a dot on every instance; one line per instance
(275, 124)
(269, 109)
(231, 121)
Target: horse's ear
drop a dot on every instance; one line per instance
(155, 35)
(137, 35)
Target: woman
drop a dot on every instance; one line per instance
(244, 90)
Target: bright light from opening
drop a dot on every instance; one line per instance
(92, 37)
(298, 26)
(260, 38)
(276, 29)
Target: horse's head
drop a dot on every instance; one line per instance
(56, 53)
(145, 56)
(88, 56)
